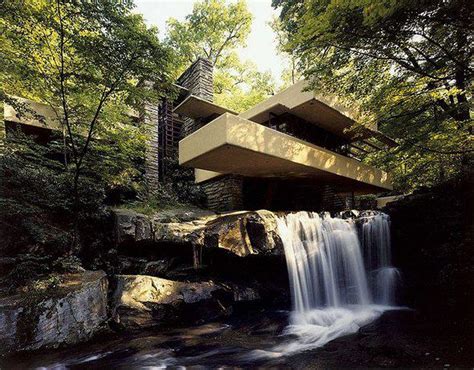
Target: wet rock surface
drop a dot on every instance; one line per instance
(432, 237)
(142, 301)
(397, 339)
(71, 312)
(237, 256)
(131, 226)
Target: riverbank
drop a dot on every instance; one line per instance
(170, 274)
(397, 339)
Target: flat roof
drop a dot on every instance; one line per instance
(42, 115)
(325, 111)
(195, 107)
(33, 114)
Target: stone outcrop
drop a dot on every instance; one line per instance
(131, 226)
(241, 233)
(142, 301)
(432, 238)
(70, 312)
(244, 233)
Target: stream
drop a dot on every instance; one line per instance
(399, 338)
(344, 313)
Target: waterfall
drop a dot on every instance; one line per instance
(324, 261)
(338, 282)
(383, 277)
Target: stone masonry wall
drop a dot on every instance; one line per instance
(225, 193)
(198, 78)
(150, 120)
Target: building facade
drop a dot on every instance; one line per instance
(294, 151)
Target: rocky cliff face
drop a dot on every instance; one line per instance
(240, 252)
(432, 235)
(69, 313)
(240, 233)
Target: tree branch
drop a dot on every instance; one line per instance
(62, 80)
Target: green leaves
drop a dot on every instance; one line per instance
(241, 86)
(405, 64)
(92, 63)
(213, 30)
(81, 53)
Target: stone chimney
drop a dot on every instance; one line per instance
(150, 121)
(165, 128)
(224, 193)
(198, 79)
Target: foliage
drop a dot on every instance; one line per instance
(119, 160)
(242, 86)
(178, 191)
(91, 62)
(90, 59)
(407, 64)
(214, 30)
(182, 183)
(290, 75)
(36, 203)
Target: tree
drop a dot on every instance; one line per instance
(242, 86)
(407, 64)
(89, 61)
(212, 31)
(290, 75)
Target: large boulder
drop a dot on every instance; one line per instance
(131, 226)
(244, 233)
(241, 233)
(70, 312)
(143, 301)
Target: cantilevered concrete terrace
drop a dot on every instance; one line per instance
(323, 110)
(39, 115)
(33, 114)
(251, 143)
(235, 145)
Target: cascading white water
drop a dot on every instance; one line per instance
(331, 293)
(386, 281)
(324, 261)
(383, 277)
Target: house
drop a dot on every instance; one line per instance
(293, 151)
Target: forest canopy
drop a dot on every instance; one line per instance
(215, 30)
(407, 64)
(93, 64)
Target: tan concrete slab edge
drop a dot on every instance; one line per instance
(231, 144)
